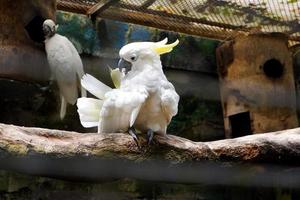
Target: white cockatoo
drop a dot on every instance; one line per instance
(144, 100)
(65, 65)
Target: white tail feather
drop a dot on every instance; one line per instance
(99, 127)
(63, 108)
(134, 115)
(83, 92)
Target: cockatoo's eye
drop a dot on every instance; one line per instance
(133, 58)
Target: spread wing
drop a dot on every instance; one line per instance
(94, 86)
(120, 109)
(89, 111)
(89, 108)
(169, 100)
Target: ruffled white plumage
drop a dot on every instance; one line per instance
(145, 100)
(66, 68)
(89, 111)
(120, 109)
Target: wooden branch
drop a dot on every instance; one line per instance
(271, 147)
(73, 155)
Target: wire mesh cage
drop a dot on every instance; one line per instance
(216, 19)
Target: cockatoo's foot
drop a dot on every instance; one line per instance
(150, 135)
(132, 132)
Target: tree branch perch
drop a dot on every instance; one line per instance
(73, 155)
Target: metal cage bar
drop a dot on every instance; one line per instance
(215, 19)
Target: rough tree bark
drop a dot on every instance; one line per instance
(92, 156)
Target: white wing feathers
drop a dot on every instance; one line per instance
(169, 100)
(89, 108)
(94, 86)
(120, 109)
(117, 109)
(89, 111)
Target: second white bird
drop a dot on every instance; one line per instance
(65, 64)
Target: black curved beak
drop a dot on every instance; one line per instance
(124, 65)
(47, 31)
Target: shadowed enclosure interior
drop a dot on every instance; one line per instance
(273, 68)
(240, 124)
(35, 29)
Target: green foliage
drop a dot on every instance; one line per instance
(283, 194)
(192, 53)
(3, 181)
(79, 29)
(193, 112)
(206, 47)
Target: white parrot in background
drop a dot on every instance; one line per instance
(65, 64)
(145, 99)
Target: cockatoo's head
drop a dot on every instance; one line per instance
(49, 28)
(137, 53)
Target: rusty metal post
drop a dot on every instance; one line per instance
(22, 55)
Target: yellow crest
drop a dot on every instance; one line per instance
(165, 48)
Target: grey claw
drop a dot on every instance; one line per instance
(132, 132)
(150, 135)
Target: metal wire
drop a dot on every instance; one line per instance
(179, 15)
